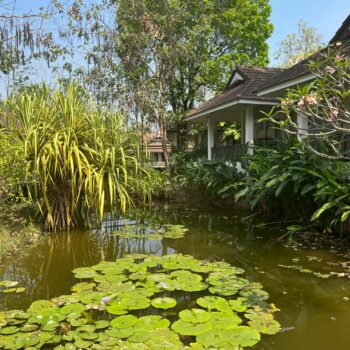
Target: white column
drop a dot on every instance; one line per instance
(211, 129)
(303, 126)
(249, 127)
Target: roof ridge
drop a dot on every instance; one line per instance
(260, 68)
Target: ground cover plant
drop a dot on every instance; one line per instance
(147, 302)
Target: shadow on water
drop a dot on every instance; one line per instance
(314, 312)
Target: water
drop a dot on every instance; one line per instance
(314, 314)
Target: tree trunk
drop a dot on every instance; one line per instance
(163, 135)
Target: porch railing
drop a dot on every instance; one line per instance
(235, 152)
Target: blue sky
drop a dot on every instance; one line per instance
(325, 15)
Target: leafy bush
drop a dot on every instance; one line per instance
(213, 178)
(78, 159)
(12, 167)
(295, 183)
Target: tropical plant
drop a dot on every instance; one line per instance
(78, 159)
(297, 184)
(281, 180)
(213, 178)
(12, 166)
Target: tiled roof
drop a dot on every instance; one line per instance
(298, 70)
(254, 77)
(343, 33)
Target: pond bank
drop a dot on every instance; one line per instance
(17, 230)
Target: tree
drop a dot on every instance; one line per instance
(173, 52)
(323, 106)
(298, 46)
(24, 36)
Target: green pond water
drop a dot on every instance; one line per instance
(315, 311)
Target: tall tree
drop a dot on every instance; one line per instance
(298, 46)
(24, 36)
(173, 51)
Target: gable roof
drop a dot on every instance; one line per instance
(298, 70)
(301, 69)
(253, 78)
(343, 33)
(255, 82)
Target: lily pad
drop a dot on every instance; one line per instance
(188, 328)
(240, 336)
(194, 316)
(124, 321)
(72, 308)
(163, 303)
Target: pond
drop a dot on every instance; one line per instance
(315, 311)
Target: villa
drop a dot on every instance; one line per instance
(249, 92)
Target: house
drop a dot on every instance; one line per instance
(154, 148)
(249, 92)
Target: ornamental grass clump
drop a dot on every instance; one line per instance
(78, 159)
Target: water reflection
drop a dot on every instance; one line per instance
(314, 313)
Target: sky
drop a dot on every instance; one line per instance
(326, 16)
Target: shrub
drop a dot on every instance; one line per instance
(213, 178)
(78, 159)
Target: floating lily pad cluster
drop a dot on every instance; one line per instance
(10, 287)
(166, 231)
(147, 302)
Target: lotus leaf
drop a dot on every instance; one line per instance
(82, 344)
(116, 309)
(158, 277)
(194, 315)
(193, 286)
(163, 338)
(77, 322)
(238, 304)
(40, 305)
(209, 301)
(139, 336)
(222, 320)
(240, 336)
(83, 286)
(88, 336)
(138, 303)
(8, 284)
(253, 294)
(120, 332)
(152, 322)
(163, 303)
(9, 330)
(72, 308)
(84, 273)
(89, 328)
(214, 303)
(224, 290)
(265, 325)
(189, 328)
(101, 324)
(29, 328)
(124, 321)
